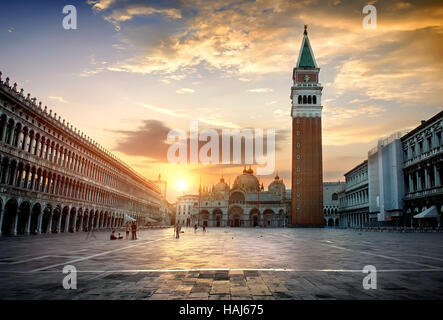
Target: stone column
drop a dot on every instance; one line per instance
(418, 180)
(68, 219)
(59, 224)
(427, 182)
(14, 226)
(39, 223)
(1, 220)
(74, 225)
(19, 138)
(49, 224)
(260, 219)
(28, 224)
(437, 176)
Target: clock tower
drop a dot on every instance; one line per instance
(307, 169)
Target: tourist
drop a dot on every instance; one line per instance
(177, 231)
(204, 227)
(127, 230)
(134, 230)
(195, 228)
(113, 236)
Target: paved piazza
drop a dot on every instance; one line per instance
(224, 263)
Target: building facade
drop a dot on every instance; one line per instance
(423, 170)
(165, 206)
(354, 200)
(245, 204)
(385, 174)
(307, 169)
(331, 203)
(54, 179)
(401, 182)
(187, 210)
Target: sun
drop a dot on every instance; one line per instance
(181, 185)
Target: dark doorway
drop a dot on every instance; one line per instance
(255, 221)
(36, 209)
(23, 217)
(45, 220)
(55, 220)
(9, 217)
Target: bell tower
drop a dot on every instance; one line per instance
(307, 169)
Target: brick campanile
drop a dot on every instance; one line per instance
(307, 169)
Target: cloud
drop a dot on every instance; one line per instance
(278, 113)
(349, 113)
(375, 81)
(250, 38)
(212, 119)
(185, 91)
(57, 98)
(261, 90)
(99, 5)
(150, 141)
(147, 141)
(130, 11)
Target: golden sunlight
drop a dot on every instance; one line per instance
(182, 185)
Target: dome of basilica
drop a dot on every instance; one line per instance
(221, 186)
(277, 186)
(247, 181)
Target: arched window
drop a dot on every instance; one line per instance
(314, 99)
(9, 131)
(334, 196)
(300, 99)
(304, 100)
(309, 100)
(17, 132)
(3, 120)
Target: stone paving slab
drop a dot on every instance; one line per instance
(224, 263)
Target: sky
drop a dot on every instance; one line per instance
(134, 70)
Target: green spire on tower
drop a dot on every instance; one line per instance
(306, 57)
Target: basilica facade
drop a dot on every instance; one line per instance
(244, 204)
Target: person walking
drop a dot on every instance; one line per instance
(177, 231)
(204, 227)
(195, 228)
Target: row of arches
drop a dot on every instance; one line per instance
(30, 140)
(236, 217)
(332, 222)
(25, 218)
(24, 175)
(307, 99)
(328, 211)
(14, 134)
